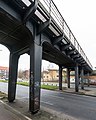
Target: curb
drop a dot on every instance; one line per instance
(24, 117)
(80, 94)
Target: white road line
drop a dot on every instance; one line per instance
(55, 96)
(47, 103)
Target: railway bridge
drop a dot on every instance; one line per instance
(37, 27)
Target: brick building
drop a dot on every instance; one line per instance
(4, 72)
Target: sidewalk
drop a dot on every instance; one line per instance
(88, 91)
(18, 110)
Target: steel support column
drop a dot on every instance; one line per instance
(60, 77)
(35, 77)
(76, 78)
(68, 77)
(82, 79)
(13, 69)
(88, 80)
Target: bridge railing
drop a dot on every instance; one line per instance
(55, 14)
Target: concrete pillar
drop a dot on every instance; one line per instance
(35, 77)
(82, 79)
(13, 69)
(60, 77)
(76, 78)
(68, 77)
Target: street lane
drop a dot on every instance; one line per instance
(79, 106)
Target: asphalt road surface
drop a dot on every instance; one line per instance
(79, 106)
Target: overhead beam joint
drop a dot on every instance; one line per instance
(43, 26)
(65, 47)
(30, 11)
(58, 39)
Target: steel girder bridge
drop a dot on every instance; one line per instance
(38, 28)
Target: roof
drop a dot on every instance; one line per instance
(4, 68)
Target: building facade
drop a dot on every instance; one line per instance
(52, 75)
(4, 72)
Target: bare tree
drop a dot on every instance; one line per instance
(20, 74)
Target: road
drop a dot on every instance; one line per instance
(81, 107)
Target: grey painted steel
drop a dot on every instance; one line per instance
(68, 77)
(88, 80)
(82, 79)
(60, 77)
(76, 78)
(23, 31)
(13, 69)
(35, 77)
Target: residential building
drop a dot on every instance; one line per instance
(4, 72)
(52, 75)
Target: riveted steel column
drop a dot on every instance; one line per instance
(35, 77)
(88, 79)
(82, 79)
(60, 77)
(76, 78)
(68, 77)
(13, 69)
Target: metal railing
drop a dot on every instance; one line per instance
(56, 15)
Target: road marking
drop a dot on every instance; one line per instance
(22, 98)
(47, 103)
(55, 96)
(12, 109)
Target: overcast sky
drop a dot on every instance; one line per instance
(81, 18)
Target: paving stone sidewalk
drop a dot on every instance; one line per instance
(18, 110)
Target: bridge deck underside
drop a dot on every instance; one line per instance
(12, 35)
(16, 36)
(53, 55)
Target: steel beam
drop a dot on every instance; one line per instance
(43, 26)
(13, 69)
(68, 77)
(35, 77)
(9, 11)
(71, 52)
(76, 78)
(80, 59)
(58, 39)
(82, 79)
(65, 47)
(60, 77)
(30, 11)
(75, 56)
